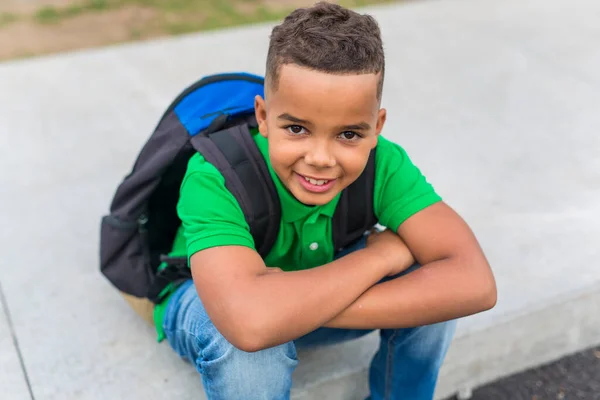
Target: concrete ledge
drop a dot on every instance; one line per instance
(497, 102)
(336, 372)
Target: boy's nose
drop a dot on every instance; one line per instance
(318, 155)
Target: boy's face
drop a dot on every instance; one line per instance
(321, 128)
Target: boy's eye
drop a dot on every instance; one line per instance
(295, 129)
(349, 135)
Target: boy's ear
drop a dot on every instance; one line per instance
(381, 117)
(380, 120)
(260, 111)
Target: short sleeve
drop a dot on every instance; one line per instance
(401, 190)
(210, 214)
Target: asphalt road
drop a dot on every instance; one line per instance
(573, 377)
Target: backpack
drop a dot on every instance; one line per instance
(213, 116)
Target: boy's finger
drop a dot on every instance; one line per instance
(274, 269)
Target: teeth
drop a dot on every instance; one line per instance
(318, 182)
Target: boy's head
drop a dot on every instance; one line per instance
(321, 111)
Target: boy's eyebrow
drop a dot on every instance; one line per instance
(361, 126)
(291, 118)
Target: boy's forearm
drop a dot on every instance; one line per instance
(436, 292)
(285, 306)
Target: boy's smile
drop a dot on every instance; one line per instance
(321, 128)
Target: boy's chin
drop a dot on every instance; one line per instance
(313, 199)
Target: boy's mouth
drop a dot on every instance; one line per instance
(315, 185)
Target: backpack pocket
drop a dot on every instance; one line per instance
(124, 254)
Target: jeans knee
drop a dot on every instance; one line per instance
(231, 373)
(227, 372)
(427, 344)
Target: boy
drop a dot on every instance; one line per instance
(241, 317)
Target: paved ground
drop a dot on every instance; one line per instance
(496, 101)
(573, 377)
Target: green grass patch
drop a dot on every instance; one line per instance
(97, 5)
(47, 15)
(7, 18)
(53, 15)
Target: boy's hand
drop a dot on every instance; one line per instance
(389, 245)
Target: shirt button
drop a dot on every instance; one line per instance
(314, 246)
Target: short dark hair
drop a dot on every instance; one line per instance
(329, 38)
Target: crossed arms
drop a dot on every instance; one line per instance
(255, 308)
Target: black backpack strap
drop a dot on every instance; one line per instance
(176, 272)
(235, 154)
(354, 213)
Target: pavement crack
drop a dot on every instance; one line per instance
(15, 340)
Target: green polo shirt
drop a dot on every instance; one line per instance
(211, 216)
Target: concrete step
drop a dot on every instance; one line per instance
(495, 101)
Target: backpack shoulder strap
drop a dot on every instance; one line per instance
(354, 213)
(234, 153)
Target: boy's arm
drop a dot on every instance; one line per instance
(455, 279)
(254, 309)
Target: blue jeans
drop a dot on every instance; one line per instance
(405, 366)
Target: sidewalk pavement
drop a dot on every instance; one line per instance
(575, 376)
(497, 102)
